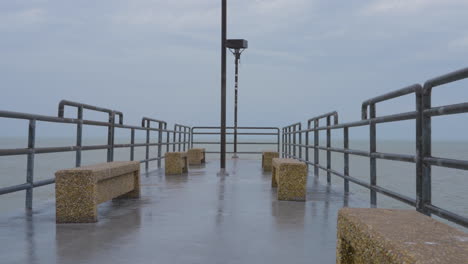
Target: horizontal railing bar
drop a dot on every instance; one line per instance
(447, 110)
(239, 143)
(24, 151)
(15, 188)
(395, 195)
(292, 125)
(447, 78)
(329, 114)
(447, 163)
(415, 88)
(239, 133)
(461, 220)
(379, 189)
(275, 128)
(152, 159)
(65, 120)
(231, 152)
(44, 182)
(352, 179)
(378, 155)
(382, 119)
(64, 103)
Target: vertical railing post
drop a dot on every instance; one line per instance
(185, 138)
(147, 146)
(300, 141)
(180, 139)
(425, 184)
(307, 145)
(289, 141)
(79, 137)
(189, 144)
(174, 139)
(160, 127)
(419, 153)
(328, 149)
(294, 135)
(316, 150)
(168, 140)
(110, 138)
(30, 163)
(191, 138)
(346, 158)
(132, 144)
(373, 161)
(283, 143)
(278, 140)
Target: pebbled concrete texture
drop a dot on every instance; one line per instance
(176, 163)
(196, 156)
(184, 219)
(78, 191)
(397, 236)
(267, 158)
(290, 177)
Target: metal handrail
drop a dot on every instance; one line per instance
(208, 130)
(423, 157)
(32, 150)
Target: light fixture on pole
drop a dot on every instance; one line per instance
(236, 46)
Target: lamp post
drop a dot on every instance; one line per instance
(222, 170)
(236, 46)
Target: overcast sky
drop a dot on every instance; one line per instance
(161, 58)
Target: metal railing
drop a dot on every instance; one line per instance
(111, 125)
(272, 135)
(423, 159)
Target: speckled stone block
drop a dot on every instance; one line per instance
(78, 191)
(176, 163)
(267, 158)
(196, 156)
(290, 176)
(397, 236)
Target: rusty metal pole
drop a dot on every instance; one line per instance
(222, 170)
(236, 91)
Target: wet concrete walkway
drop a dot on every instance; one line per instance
(196, 218)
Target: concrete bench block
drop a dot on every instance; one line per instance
(196, 156)
(176, 163)
(78, 191)
(290, 176)
(267, 158)
(397, 236)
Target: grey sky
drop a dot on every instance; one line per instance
(160, 58)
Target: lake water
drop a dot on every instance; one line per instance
(449, 186)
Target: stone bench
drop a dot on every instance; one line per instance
(397, 236)
(176, 163)
(196, 156)
(290, 176)
(267, 158)
(78, 191)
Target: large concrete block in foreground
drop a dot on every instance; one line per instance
(397, 236)
(78, 191)
(196, 156)
(267, 159)
(290, 176)
(176, 163)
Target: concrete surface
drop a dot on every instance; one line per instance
(193, 218)
(397, 236)
(78, 191)
(176, 163)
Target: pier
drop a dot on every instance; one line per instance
(194, 218)
(203, 216)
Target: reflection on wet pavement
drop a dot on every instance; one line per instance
(193, 218)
